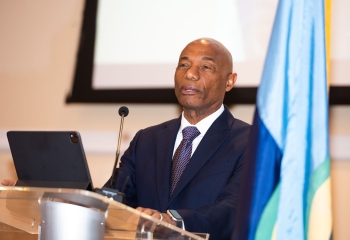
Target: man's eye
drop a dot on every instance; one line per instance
(183, 65)
(206, 67)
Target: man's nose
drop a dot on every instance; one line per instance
(192, 73)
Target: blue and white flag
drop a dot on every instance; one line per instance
(286, 183)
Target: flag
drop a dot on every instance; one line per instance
(286, 183)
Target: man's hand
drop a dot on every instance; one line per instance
(8, 182)
(154, 213)
(161, 216)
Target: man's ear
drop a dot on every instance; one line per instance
(231, 80)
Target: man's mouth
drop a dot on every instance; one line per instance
(188, 90)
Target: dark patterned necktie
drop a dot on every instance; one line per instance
(182, 155)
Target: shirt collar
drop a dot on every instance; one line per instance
(204, 124)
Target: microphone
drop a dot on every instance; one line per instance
(110, 191)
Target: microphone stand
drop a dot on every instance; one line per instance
(123, 112)
(110, 191)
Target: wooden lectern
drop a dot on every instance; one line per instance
(70, 214)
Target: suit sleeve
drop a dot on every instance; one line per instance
(125, 179)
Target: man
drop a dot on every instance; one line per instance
(197, 177)
(206, 192)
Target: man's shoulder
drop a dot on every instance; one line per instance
(161, 126)
(235, 123)
(241, 130)
(241, 124)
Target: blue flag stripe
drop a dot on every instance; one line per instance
(261, 174)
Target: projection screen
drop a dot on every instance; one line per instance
(128, 50)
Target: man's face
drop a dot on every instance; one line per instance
(201, 77)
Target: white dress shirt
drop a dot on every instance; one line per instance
(202, 126)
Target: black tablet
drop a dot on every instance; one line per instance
(53, 159)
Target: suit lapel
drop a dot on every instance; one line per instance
(214, 137)
(165, 146)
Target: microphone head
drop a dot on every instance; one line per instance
(124, 110)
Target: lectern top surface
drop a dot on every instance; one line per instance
(23, 208)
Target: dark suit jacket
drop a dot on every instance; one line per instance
(206, 195)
